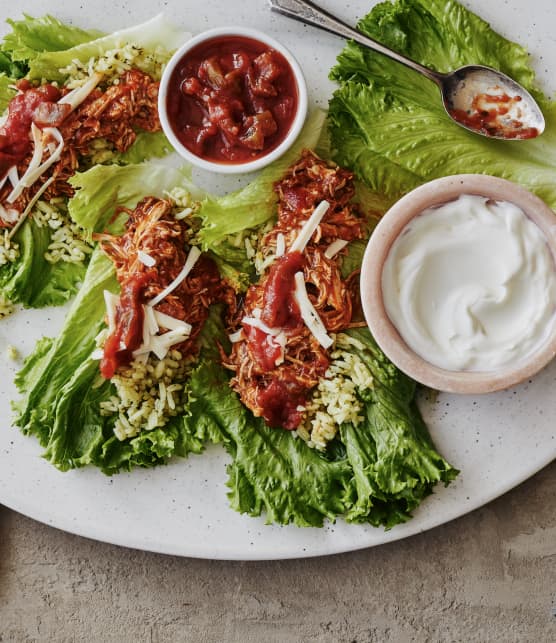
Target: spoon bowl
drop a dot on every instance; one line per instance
(480, 99)
(486, 101)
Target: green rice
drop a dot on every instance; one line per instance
(335, 400)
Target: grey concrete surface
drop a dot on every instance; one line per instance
(489, 576)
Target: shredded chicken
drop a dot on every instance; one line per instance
(113, 114)
(152, 229)
(275, 384)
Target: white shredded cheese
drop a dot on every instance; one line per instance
(79, 94)
(30, 206)
(280, 245)
(13, 175)
(178, 331)
(169, 322)
(36, 169)
(257, 323)
(335, 247)
(111, 301)
(8, 215)
(237, 336)
(183, 214)
(146, 259)
(309, 227)
(308, 312)
(194, 254)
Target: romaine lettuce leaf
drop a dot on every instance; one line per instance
(378, 472)
(158, 33)
(387, 122)
(103, 188)
(46, 373)
(7, 92)
(31, 280)
(32, 36)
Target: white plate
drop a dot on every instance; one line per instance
(497, 441)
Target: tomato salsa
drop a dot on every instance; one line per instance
(32, 104)
(232, 99)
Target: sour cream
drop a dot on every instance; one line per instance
(471, 285)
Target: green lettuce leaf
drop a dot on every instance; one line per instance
(394, 462)
(32, 36)
(387, 122)
(46, 374)
(104, 188)
(377, 472)
(156, 34)
(31, 280)
(6, 90)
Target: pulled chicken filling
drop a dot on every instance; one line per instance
(276, 359)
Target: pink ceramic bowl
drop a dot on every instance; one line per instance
(391, 225)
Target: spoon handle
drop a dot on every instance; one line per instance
(309, 13)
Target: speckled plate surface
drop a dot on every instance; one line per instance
(497, 440)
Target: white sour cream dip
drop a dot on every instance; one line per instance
(471, 285)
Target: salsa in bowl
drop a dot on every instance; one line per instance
(232, 100)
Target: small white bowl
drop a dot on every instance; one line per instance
(436, 193)
(231, 167)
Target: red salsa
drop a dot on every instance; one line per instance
(128, 333)
(282, 403)
(32, 104)
(280, 309)
(232, 99)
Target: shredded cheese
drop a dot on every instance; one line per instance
(111, 301)
(194, 254)
(36, 169)
(146, 259)
(280, 245)
(309, 314)
(178, 331)
(8, 215)
(335, 247)
(237, 336)
(169, 322)
(309, 227)
(30, 206)
(256, 322)
(13, 176)
(79, 94)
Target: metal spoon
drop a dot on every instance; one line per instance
(481, 99)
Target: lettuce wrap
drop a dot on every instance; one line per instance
(43, 261)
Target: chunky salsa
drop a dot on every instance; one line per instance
(232, 99)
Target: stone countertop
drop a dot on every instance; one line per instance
(488, 576)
